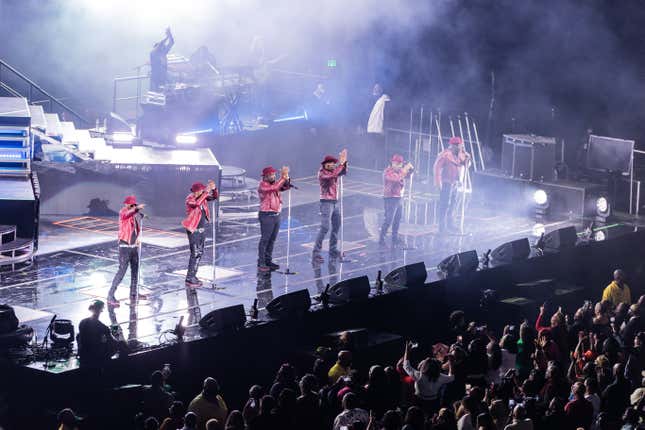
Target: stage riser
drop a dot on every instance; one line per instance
(82, 191)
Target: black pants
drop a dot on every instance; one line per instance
(128, 256)
(446, 205)
(392, 217)
(196, 241)
(269, 227)
(329, 217)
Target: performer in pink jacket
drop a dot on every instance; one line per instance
(393, 184)
(197, 218)
(270, 206)
(331, 169)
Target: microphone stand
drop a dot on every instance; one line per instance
(288, 271)
(139, 250)
(214, 231)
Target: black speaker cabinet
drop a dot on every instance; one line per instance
(460, 264)
(350, 290)
(529, 157)
(559, 239)
(229, 318)
(289, 304)
(412, 275)
(510, 252)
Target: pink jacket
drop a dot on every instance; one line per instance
(269, 193)
(127, 224)
(393, 182)
(329, 181)
(446, 168)
(194, 207)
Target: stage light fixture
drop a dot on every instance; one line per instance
(538, 229)
(599, 236)
(186, 139)
(540, 197)
(603, 209)
(122, 137)
(541, 201)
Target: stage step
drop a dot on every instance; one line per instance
(15, 138)
(17, 251)
(54, 128)
(69, 134)
(7, 233)
(38, 119)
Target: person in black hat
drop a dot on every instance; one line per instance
(95, 341)
(331, 169)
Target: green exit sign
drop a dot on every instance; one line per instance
(331, 63)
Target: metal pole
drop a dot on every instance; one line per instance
(428, 168)
(342, 217)
(481, 156)
(409, 199)
(287, 271)
(631, 181)
(214, 211)
(416, 147)
(452, 127)
(410, 137)
(470, 140)
(439, 137)
(139, 278)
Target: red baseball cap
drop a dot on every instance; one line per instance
(130, 200)
(397, 158)
(456, 140)
(197, 186)
(329, 159)
(268, 170)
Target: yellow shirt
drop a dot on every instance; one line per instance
(206, 410)
(337, 371)
(616, 294)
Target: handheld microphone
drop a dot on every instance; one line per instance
(254, 310)
(324, 297)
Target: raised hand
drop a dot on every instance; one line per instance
(141, 206)
(211, 185)
(285, 172)
(342, 158)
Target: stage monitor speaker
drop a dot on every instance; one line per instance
(8, 320)
(289, 304)
(350, 290)
(412, 275)
(459, 264)
(229, 318)
(510, 252)
(559, 239)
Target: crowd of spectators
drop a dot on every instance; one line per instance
(578, 371)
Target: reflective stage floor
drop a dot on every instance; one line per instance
(78, 259)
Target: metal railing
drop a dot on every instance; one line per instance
(33, 90)
(118, 99)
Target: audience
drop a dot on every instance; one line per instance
(584, 372)
(351, 413)
(190, 421)
(156, 400)
(175, 419)
(342, 366)
(67, 420)
(209, 404)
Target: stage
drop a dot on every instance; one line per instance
(78, 259)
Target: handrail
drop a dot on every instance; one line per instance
(9, 89)
(32, 84)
